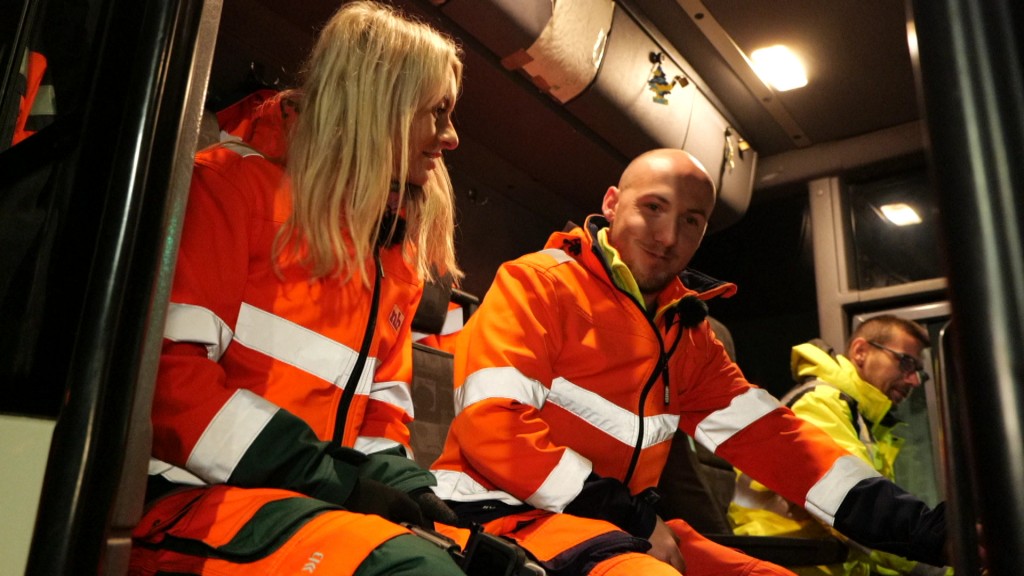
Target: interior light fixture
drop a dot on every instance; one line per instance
(779, 67)
(900, 214)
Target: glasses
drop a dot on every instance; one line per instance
(907, 362)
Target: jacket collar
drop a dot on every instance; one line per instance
(809, 360)
(581, 243)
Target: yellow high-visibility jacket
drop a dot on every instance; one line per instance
(858, 417)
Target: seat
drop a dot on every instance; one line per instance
(697, 487)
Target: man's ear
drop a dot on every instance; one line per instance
(858, 351)
(610, 203)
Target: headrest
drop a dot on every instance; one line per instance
(433, 308)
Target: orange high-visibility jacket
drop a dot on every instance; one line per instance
(254, 363)
(560, 373)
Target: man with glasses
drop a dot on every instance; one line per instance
(850, 397)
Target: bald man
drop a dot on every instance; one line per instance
(580, 365)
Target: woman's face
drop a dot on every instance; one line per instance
(431, 133)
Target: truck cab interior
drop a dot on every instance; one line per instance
(102, 106)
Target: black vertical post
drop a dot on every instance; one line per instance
(122, 229)
(970, 73)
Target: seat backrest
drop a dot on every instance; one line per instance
(433, 379)
(696, 486)
(433, 383)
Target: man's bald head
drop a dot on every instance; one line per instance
(666, 162)
(658, 215)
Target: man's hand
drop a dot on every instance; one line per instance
(665, 546)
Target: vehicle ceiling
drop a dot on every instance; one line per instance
(518, 141)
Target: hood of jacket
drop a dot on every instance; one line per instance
(260, 120)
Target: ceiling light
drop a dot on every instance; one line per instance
(779, 67)
(900, 214)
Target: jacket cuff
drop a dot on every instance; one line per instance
(879, 514)
(288, 455)
(394, 468)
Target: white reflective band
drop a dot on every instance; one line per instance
(189, 323)
(237, 145)
(43, 105)
(371, 444)
(394, 393)
(452, 322)
(499, 383)
(173, 473)
(460, 487)
(563, 484)
(229, 435)
(744, 410)
(301, 347)
(824, 498)
(559, 255)
(612, 419)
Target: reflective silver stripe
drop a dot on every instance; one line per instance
(173, 473)
(824, 498)
(499, 383)
(460, 487)
(563, 484)
(452, 322)
(612, 419)
(744, 409)
(237, 145)
(190, 323)
(371, 444)
(559, 255)
(229, 435)
(43, 105)
(301, 347)
(394, 393)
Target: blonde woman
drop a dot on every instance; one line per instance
(282, 402)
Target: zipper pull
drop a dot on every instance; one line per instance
(664, 379)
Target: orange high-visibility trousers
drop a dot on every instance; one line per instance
(567, 544)
(221, 530)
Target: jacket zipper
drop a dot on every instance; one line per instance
(660, 369)
(364, 351)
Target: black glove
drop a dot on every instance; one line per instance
(433, 507)
(372, 497)
(608, 499)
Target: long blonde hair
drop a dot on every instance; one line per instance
(369, 73)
